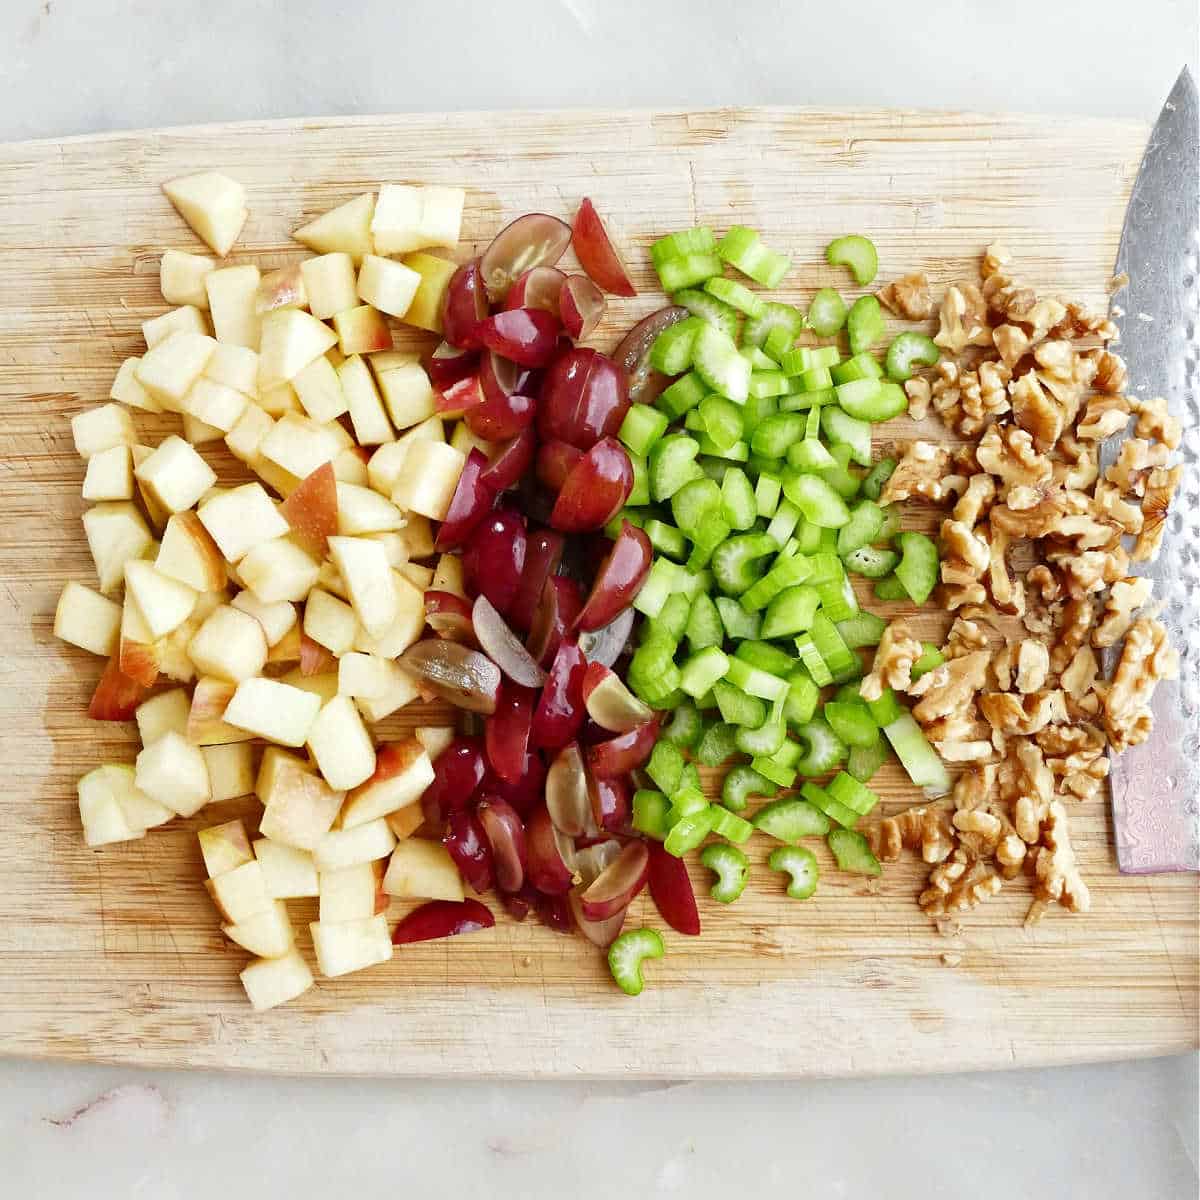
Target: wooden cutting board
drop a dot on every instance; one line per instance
(115, 954)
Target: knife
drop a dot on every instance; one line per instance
(1156, 786)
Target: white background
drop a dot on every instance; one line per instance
(1125, 1130)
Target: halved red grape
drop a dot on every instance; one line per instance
(511, 462)
(599, 933)
(624, 752)
(464, 305)
(457, 673)
(555, 461)
(459, 398)
(528, 791)
(617, 885)
(609, 796)
(528, 336)
(595, 858)
(442, 918)
(549, 854)
(567, 798)
(556, 612)
(537, 288)
(583, 398)
(506, 733)
(503, 646)
(467, 845)
(671, 888)
(560, 711)
(449, 616)
(555, 912)
(632, 354)
(534, 240)
(619, 579)
(610, 703)
(606, 644)
(499, 419)
(506, 837)
(471, 502)
(494, 557)
(448, 364)
(457, 774)
(597, 255)
(595, 489)
(520, 904)
(580, 306)
(543, 551)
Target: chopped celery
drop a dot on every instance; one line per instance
(835, 653)
(665, 766)
(755, 411)
(671, 620)
(719, 364)
(672, 464)
(722, 420)
(684, 394)
(738, 452)
(768, 383)
(693, 502)
(815, 379)
(860, 366)
(712, 531)
(729, 825)
(767, 491)
(702, 670)
(886, 709)
(862, 629)
(763, 741)
(642, 427)
(852, 722)
(660, 583)
(909, 348)
(741, 783)
(708, 308)
(685, 726)
(687, 271)
(820, 799)
(787, 571)
(756, 681)
(671, 352)
(802, 697)
(791, 819)
(818, 502)
(810, 656)
(776, 433)
(736, 295)
(918, 757)
(844, 430)
(852, 853)
(825, 750)
(863, 761)
(872, 399)
(626, 955)
(666, 539)
(888, 587)
(699, 240)
(691, 777)
(783, 523)
(826, 312)
(792, 611)
(775, 318)
(743, 248)
(841, 478)
(736, 707)
(864, 324)
(775, 769)
(917, 569)
(733, 562)
(737, 621)
(652, 674)
(686, 802)
(891, 522)
(766, 657)
(731, 867)
(640, 492)
(866, 520)
(878, 475)
(856, 252)
(778, 342)
(757, 359)
(856, 796)
(871, 563)
(650, 810)
(931, 657)
(800, 864)
(717, 744)
(738, 504)
(704, 626)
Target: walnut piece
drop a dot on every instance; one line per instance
(962, 319)
(894, 658)
(1104, 416)
(1135, 460)
(925, 829)
(1124, 599)
(918, 392)
(1160, 490)
(922, 471)
(1009, 454)
(949, 689)
(908, 297)
(1058, 880)
(1033, 665)
(959, 884)
(1146, 658)
(1156, 424)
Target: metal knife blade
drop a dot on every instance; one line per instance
(1156, 786)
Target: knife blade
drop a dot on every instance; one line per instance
(1156, 786)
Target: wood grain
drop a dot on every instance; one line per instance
(115, 954)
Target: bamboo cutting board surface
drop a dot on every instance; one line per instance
(115, 954)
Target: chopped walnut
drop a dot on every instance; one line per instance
(995, 258)
(1146, 658)
(925, 829)
(1039, 414)
(1124, 599)
(965, 637)
(949, 688)
(908, 297)
(975, 501)
(1109, 504)
(965, 555)
(1027, 782)
(918, 393)
(1156, 424)
(1058, 880)
(1111, 374)
(1043, 580)
(921, 471)
(1077, 322)
(1160, 490)
(1008, 594)
(1033, 665)
(1093, 570)
(1012, 715)
(959, 884)
(1009, 454)
(1104, 416)
(1077, 616)
(894, 658)
(1080, 673)
(1135, 460)
(963, 319)
(1012, 342)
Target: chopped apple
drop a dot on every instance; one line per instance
(418, 574)
(104, 821)
(233, 304)
(185, 319)
(235, 367)
(217, 405)
(400, 690)
(277, 620)
(387, 285)
(172, 771)
(331, 581)
(418, 536)
(321, 683)
(362, 510)
(346, 228)
(422, 870)
(109, 475)
(197, 432)
(241, 519)
(362, 330)
(348, 847)
(430, 475)
(362, 675)
(181, 277)
(405, 821)
(273, 710)
(128, 390)
(231, 769)
(330, 284)
(289, 873)
(246, 436)
(171, 654)
(164, 603)
(206, 725)
(241, 893)
(290, 340)
(224, 847)
(116, 534)
(275, 401)
(300, 445)
(463, 440)
(349, 894)
(287, 649)
(101, 429)
(387, 463)
(369, 579)
(345, 946)
(392, 540)
(350, 466)
(435, 738)
(267, 934)
(367, 414)
(330, 622)
(189, 554)
(168, 371)
(405, 387)
(448, 576)
(402, 773)
(230, 645)
(320, 391)
(283, 288)
(396, 224)
(138, 654)
(212, 204)
(175, 474)
(87, 619)
(341, 746)
(425, 311)
(273, 770)
(300, 808)
(270, 982)
(117, 695)
(140, 811)
(311, 510)
(278, 570)
(168, 711)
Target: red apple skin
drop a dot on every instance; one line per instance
(311, 510)
(116, 696)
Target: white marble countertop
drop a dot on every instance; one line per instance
(76, 66)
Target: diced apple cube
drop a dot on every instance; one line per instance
(430, 475)
(369, 579)
(425, 311)
(197, 432)
(229, 645)
(387, 285)
(362, 675)
(212, 204)
(405, 387)
(246, 436)
(349, 894)
(418, 536)
(185, 319)
(300, 445)
(278, 570)
(241, 893)
(330, 284)
(181, 277)
(277, 619)
(241, 519)
(281, 399)
(464, 441)
(392, 540)
(387, 463)
(232, 301)
(362, 510)
(350, 466)
(400, 690)
(448, 576)
(341, 746)
(176, 474)
(290, 340)
(273, 710)
(172, 771)
(235, 367)
(419, 575)
(231, 769)
(283, 288)
(189, 554)
(101, 429)
(103, 819)
(216, 404)
(406, 626)
(422, 870)
(289, 873)
(346, 228)
(362, 330)
(345, 946)
(140, 811)
(267, 934)
(274, 770)
(127, 389)
(164, 603)
(116, 535)
(300, 810)
(224, 847)
(109, 475)
(405, 821)
(287, 649)
(320, 391)
(168, 371)
(435, 738)
(270, 982)
(396, 224)
(348, 847)
(329, 622)
(166, 712)
(367, 414)
(402, 773)
(441, 215)
(87, 619)
(206, 725)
